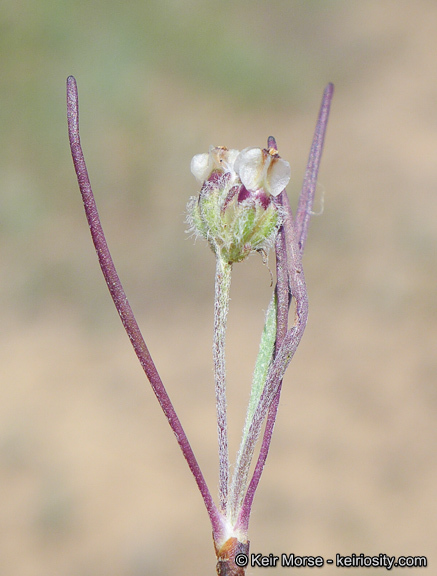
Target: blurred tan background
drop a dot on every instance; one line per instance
(91, 479)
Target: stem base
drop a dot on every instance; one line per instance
(226, 557)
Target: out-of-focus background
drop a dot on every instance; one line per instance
(91, 479)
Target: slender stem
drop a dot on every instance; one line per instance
(282, 286)
(282, 321)
(284, 297)
(283, 357)
(306, 198)
(284, 300)
(262, 366)
(221, 308)
(123, 307)
(273, 334)
(295, 238)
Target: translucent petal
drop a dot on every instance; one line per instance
(232, 156)
(200, 167)
(278, 176)
(222, 159)
(249, 166)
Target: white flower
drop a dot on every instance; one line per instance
(262, 169)
(234, 210)
(256, 169)
(219, 158)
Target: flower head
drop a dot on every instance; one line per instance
(234, 210)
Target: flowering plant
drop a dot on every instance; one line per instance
(242, 208)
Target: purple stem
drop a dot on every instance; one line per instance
(123, 307)
(306, 198)
(283, 297)
(301, 224)
(283, 357)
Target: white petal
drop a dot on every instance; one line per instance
(200, 167)
(232, 156)
(278, 176)
(223, 159)
(249, 166)
(229, 165)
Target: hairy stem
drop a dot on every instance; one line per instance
(221, 308)
(263, 362)
(283, 297)
(279, 310)
(123, 307)
(295, 235)
(306, 198)
(284, 353)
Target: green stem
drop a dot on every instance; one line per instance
(221, 307)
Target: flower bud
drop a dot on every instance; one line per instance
(234, 210)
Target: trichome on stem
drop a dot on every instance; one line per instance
(242, 208)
